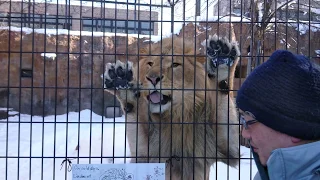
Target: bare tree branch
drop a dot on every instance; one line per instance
(173, 3)
(272, 14)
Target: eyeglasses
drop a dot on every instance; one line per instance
(246, 123)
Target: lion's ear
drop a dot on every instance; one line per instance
(201, 59)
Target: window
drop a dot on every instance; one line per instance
(35, 20)
(26, 73)
(119, 26)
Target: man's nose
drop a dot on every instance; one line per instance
(245, 133)
(154, 79)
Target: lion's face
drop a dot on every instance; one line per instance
(169, 79)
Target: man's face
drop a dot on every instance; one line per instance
(263, 139)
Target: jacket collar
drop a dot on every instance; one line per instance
(295, 162)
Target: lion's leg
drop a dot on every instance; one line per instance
(228, 131)
(137, 141)
(221, 55)
(118, 80)
(137, 134)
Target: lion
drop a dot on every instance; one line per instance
(178, 106)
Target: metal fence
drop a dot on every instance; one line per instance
(60, 72)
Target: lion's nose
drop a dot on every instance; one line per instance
(154, 79)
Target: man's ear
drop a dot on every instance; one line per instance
(295, 140)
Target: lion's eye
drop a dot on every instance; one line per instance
(175, 64)
(150, 63)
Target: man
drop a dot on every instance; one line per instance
(279, 104)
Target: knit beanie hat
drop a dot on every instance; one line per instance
(283, 93)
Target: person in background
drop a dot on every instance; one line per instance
(279, 106)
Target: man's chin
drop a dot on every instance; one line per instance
(159, 108)
(263, 161)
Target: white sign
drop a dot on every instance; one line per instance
(131, 171)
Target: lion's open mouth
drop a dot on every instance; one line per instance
(158, 98)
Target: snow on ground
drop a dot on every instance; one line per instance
(60, 140)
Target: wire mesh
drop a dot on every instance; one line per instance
(56, 111)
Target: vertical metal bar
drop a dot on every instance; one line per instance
(127, 59)
(160, 123)
(160, 74)
(103, 70)
(182, 114)
(172, 79)
(44, 83)
(138, 69)
(55, 109)
(80, 58)
(115, 53)
(32, 87)
(198, 6)
(253, 19)
(287, 22)
(135, 16)
(216, 91)
(67, 8)
(298, 31)
(275, 26)
(206, 121)
(20, 97)
(8, 92)
(309, 37)
(92, 56)
(264, 25)
(228, 116)
(240, 72)
(114, 129)
(194, 100)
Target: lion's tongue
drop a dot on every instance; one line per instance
(155, 97)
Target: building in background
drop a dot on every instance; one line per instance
(77, 15)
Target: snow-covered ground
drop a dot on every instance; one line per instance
(45, 138)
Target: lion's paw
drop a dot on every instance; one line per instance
(220, 52)
(118, 75)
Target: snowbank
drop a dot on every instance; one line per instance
(57, 137)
